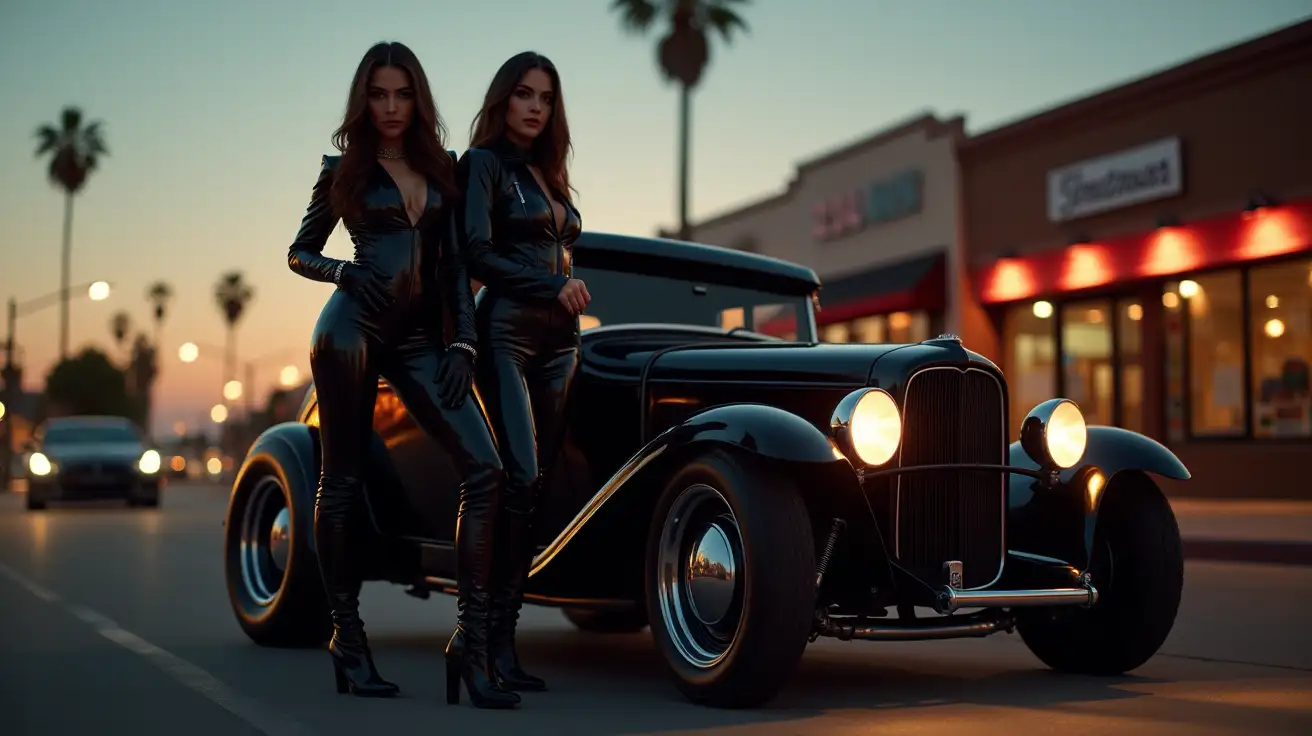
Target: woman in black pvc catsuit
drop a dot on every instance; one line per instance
(393, 188)
(518, 226)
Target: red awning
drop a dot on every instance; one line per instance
(1218, 241)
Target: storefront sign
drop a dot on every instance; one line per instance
(886, 200)
(1142, 174)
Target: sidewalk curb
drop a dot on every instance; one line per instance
(1270, 553)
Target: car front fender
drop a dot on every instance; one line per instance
(1060, 521)
(289, 450)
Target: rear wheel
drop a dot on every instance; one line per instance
(730, 580)
(607, 622)
(272, 573)
(1138, 569)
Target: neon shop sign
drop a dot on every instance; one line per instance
(884, 201)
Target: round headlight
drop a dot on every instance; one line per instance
(39, 464)
(149, 462)
(1066, 435)
(867, 424)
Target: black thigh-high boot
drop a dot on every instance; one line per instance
(334, 511)
(467, 652)
(515, 555)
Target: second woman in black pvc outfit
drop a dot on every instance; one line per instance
(392, 186)
(519, 224)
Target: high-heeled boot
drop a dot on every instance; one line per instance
(515, 555)
(353, 663)
(467, 658)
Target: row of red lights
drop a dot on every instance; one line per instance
(1166, 251)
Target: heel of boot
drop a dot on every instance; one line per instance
(343, 685)
(453, 681)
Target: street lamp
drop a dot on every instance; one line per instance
(189, 352)
(219, 414)
(96, 291)
(232, 390)
(289, 376)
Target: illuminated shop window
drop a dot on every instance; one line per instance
(897, 327)
(1086, 335)
(1214, 312)
(1129, 335)
(1032, 358)
(1280, 339)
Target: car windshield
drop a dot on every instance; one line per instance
(621, 297)
(88, 434)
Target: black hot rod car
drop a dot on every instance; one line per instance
(743, 493)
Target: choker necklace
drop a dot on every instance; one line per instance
(391, 153)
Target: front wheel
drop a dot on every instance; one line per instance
(273, 579)
(1138, 569)
(730, 580)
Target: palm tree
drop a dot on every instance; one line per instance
(141, 374)
(232, 294)
(74, 151)
(119, 326)
(683, 55)
(159, 295)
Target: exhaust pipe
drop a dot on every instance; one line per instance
(961, 627)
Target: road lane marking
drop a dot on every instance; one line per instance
(256, 715)
(35, 589)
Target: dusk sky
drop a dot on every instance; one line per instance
(216, 114)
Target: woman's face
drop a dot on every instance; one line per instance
(391, 101)
(529, 108)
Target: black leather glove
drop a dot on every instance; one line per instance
(455, 377)
(369, 283)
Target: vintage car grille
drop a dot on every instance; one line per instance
(952, 416)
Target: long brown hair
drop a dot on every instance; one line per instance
(357, 138)
(552, 148)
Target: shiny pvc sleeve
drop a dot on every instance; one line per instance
(478, 176)
(305, 257)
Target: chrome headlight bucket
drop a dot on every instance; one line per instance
(867, 426)
(1054, 434)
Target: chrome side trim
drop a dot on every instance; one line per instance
(1002, 477)
(636, 463)
(949, 600)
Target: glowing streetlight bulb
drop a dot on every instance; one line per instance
(2, 410)
(98, 291)
(189, 352)
(1274, 328)
(1188, 289)
(1043, 310)
(232, 390)
(219, 413)
(289, 376)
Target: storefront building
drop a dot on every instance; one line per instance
(877, 221)
(1147, 252)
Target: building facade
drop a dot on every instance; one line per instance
(1147, 252)
(877, 221)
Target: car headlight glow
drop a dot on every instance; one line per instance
(149, 462)
(867, 424)
(40, 464)
(1067, 435)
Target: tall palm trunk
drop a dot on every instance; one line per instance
(685, 132)
(63, 275)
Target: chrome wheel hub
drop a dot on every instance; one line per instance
(265, 541)
(700, 588)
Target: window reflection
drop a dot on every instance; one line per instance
(1086, 337)
(1033, 367)
(1280, 309)
(1216, 352)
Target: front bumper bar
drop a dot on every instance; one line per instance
(949, 600)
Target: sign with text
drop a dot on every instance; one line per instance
(885, 200)
(1142, 174)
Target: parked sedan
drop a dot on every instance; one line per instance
(91, 457)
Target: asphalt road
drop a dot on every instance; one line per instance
(115, 621)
